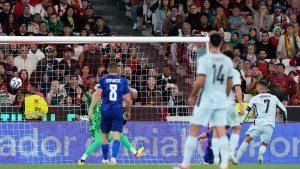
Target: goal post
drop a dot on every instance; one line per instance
(160, 71)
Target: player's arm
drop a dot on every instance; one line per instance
(96, 98)
(202, 136)
(197, 86)
(281, 106)
(127, 100)
(247, 111)
(229, 85)
(239, 96)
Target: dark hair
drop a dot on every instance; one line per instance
(262, 83)
(103, 72)
(246, 60)
(280, 64)
(263, 49)
(264, 31)
(289, 25)
(113, 67)
(229, 54)
(215, 39)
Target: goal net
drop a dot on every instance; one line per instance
(160, 71)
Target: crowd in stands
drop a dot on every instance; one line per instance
(263, 34)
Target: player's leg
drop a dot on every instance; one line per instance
(265, 140)
(215, 146)
(116, 128)
(91, 148)
(251, 134)
(129, 147)
(219, 121)
(106, 124)
(200, 118)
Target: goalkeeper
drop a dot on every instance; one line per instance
(95, 132)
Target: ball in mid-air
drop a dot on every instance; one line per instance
(15, 83)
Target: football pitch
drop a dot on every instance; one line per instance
(143, 166)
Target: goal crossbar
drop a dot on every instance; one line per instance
(93, 39)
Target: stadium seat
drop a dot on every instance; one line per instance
(227, 36)
(286, 62)
(247, 97)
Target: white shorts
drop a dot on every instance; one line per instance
(233, 117)
(265, 133)
(215, 117)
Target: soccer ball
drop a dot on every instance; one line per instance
(15, 83)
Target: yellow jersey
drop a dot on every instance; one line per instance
(237, 106)
(35, 107)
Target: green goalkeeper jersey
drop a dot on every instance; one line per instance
(96, 122)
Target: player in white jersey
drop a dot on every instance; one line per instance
(213, 84)
(265, 107)
(232, 114)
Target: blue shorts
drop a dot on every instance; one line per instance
(112, 120)
(208, 156)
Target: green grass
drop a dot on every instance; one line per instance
(143, 167)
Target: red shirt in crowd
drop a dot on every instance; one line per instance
(283, 83)
(263, 68)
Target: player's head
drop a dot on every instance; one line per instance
(33, 88)
(113, 68)
(215, 39)
(262, 86)
(229, 54)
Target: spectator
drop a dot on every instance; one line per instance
(46, 64)
(101, 29)
(91, 84)
(262, 19)
(41, 8)
(24, 60)
(235, 20)
(277, 32)
(282, 85)
(175, 99)
(270, 6)
(5, 12)
(68, 101)
(67, 31)
(238, 3)
(226, 8)
(253, 39)
(81, 12)
(237, 61)
(293, 74)
(84, 74)
(45, 84)
(163, 12)
(279, 18)
(132, 60)
(56, 94)
(248, 25)
(92, 57)
(36, 53)
(24, 76)
(150, 95)
(244, 44)
(289, 43)
(42, 29)
(99, 72)
(293, 18)
(10, 24)
(4, 96)
(248, 8)
(204, 24)
(68, 64)
(34, 25)
(88, 18)
(26, 16)
(11, 69)
(251, 55)
(139, 83)
(220, 20)
(56, 74)
(22, 31)
(170, 21)
(50, 11)
(266, 44)
(234, 39)
(18, 8)
(55, 25)
(164, 78)
(78, 95)
(18, 99)
(293, 9)
(246, 71)
(193, 17)
(142, 68)
(69, 18)
(206, 7)
(297, 29)
(262, 64)
(256, 77)
(2, 68)
(72, 84)
(186, 8)
(61, 7)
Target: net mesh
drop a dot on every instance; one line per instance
(160, 76)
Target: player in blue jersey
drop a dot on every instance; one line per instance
(209, 155)
(112, 89)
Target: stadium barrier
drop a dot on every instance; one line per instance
(34, 143)
(138, 113)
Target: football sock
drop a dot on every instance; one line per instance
(242, 150)
(105, 148)
(115, 148)
(262, 150)
(190, 146)
(224, 151)
(233, 142)
(92, 147)
(215, 146)
(127, 144)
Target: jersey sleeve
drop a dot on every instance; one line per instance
(201, 68)
(248, 109)
(231, 69)
(281, 106)
(209, 133)
(236, 78)
(126, 87)
(100, 83)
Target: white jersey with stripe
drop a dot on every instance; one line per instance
(236, 81)
(216, 68)
(265, 107)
